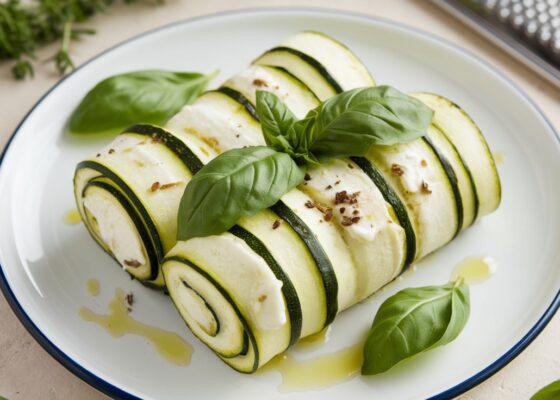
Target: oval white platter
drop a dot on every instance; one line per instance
(46, 263)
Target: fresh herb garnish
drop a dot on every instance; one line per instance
(151, 96)
(240, 182)
(345, 125)
(25, 25)
(415, 320)
(549, 392)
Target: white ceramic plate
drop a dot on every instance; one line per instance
(46, 263)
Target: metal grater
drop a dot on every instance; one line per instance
(528, 29)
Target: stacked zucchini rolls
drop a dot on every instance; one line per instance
(284, 273)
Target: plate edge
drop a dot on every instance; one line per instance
(117, 393)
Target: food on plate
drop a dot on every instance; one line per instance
(352, 226)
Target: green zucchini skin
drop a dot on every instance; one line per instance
(181, 150)
(312, 62)
(238, 97)
(452, 177)
(136, 219)
(394, 200)
(227, 297)
(288, 289)
(322, 261)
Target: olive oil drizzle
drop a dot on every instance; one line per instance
(118, 323)
(474, 269)
(319, 372)
(72, 217)
(93, 287)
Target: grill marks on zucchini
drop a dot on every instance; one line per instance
(394, 200)
(288, 289)
(321, 259)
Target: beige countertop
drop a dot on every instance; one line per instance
(28, 372)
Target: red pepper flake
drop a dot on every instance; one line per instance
(344, 197)
(260, 83)
(169, 185)
(276, 224)
(155, 186)
(309, 204)
(329, 187)
(355, 212)
(342, 209)
(355, 220)
(328, 215)
(397, 170)
(132, 263)
(307, 177)
(262, 298)
(424, 163)
(346, 221)
(130, 299)
(426, 188)
(111, 151)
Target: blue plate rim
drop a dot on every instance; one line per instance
(119, 394)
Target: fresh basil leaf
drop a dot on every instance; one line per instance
(549, 392)
(237, 183)
(150, 96)
(276, 119)
(415, 320)
(349, 123)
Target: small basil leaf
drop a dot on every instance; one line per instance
(237, 183)
(349, 123)
(150, 96)
(415, 320)
(549, 392)
(276, 119)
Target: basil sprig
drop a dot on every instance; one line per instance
(238, 183)
(549, 392)
(150, 96)
(242, 182)
(415, 320)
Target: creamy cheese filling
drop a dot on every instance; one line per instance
(116, 229)
(413, 170)
(249, 275)
(376, 240)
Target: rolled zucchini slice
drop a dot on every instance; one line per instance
(127, 196)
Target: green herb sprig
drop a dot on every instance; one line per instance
(241, 182)
(415, 320)
(25, 26)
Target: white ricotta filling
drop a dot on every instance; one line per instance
(115, 229)
(247, 273)
(414, 174)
